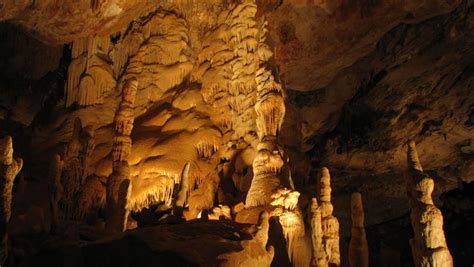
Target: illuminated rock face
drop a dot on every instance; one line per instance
(9, 168)
(174, 110)
(428, 245)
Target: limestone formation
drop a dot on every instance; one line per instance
(256, 252)
(358, 247)
(266, 169)
(428, 245)
(118, 188)
(56, 189)
(286, 198)
(329, 223)
(318, 257)
(181, 197)
(9, 169)
(72, 171)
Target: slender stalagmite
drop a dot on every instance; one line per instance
(428, 245)
(72, 171)
(9, 169)
(330, 224)
(358, 247)
(56, 189)
(318, 258)
(118, 187)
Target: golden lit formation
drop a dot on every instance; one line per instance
(175, 138)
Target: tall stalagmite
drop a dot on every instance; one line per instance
(318, 257)
(56, 189)
(428, 245)
(119, 185)
(358, 247)
(9, 168)
(330, 224)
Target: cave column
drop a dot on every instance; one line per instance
(118, 188)
(358, 247)
(329, 223)
(428, 245)
(9, 169)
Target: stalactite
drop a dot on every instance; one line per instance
(9, 169)
(318, 258)
(182, 195)
(428, 246)
(202, 198)
(56, 190)
(358, 247)
(90, 77)
(330, 224)
(293, 227)
(118, 185)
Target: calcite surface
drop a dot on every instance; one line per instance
(190, 122)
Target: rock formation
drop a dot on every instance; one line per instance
(428, 245)
(329, 223)
(358, 247)
(72, 171)
(256, 251)
(119, 184)
(56, 190)
(230, 106)
(318, 255)
(9, 169)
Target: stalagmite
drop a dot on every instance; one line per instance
(330, 224)
(72, 171)
(318, 258)
(266, 169)
(9, 169)
(358, 247)
(118, 187)
(56, 189)
(428, 245)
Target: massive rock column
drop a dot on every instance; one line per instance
(9, 168)
(358, 247)
(330, 224)
(118, 187)
(270, 109)
(428, 245)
